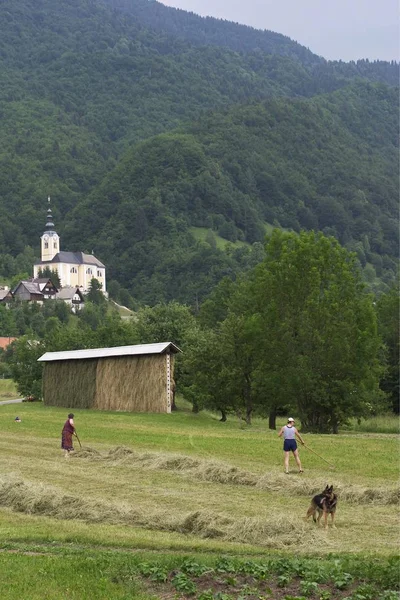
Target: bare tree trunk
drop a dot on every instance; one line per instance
(249, 401)
(272, 419)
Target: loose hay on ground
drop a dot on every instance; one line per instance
(36, 499)
(219, 472)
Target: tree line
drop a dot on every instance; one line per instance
(297, 333)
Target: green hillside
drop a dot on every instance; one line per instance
(327, 163)
(86, 85)
(209, 31)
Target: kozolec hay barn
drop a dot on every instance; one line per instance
(128, 378)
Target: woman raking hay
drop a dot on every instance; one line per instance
(66, 435)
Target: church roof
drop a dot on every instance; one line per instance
(73, 258)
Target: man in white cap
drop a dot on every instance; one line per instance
(289, 433)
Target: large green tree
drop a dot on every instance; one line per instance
(317, 337)
(219, 367)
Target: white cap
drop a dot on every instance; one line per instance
(290, 419)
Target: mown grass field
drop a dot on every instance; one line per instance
(179, 485)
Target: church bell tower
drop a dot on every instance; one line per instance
(50, 239)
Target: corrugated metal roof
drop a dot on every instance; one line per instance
(106, 352)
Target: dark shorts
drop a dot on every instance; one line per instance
(289, 445)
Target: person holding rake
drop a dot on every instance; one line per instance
(289, 433)
(66, 435)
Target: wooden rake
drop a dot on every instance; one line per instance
(321, 457)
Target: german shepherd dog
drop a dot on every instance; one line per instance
(323, 504)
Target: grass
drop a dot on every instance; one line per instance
(42, 577)
(8, 389)
(86, 574)
(179, 483)
(123, 311)
(200, 234)
(389, 423)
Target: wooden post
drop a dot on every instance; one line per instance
(168, 382)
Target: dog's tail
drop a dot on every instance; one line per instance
(311, 511)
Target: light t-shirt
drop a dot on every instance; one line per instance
(289, 433)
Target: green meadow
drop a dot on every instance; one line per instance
(156, 489)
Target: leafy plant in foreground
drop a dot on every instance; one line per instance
(191, 567)
(154, 572)
(206, 595)
(389, 595)
(225, 565)
(182, 583)
(283, 580)
(308, 588)
(342, 581)
(258, 571)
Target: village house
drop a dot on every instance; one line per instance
(5, 296)
(73, 296)
(35, 290)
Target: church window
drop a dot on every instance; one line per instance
(89, 271)
(46, 245)
(74, 270)
(99, 274)
(55, 244)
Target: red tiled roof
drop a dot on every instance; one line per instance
(6, 341)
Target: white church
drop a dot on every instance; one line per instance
(75, 269)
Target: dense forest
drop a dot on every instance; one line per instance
(161, 136)
(328, 164)
(209, 31)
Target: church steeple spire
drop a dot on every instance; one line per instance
(49, 222)
(50, 240)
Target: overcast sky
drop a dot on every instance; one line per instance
(335, 29)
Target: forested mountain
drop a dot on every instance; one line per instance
(209, 31)
(81, 81)
(78, 83)
(327, 163)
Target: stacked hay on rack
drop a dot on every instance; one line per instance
(128, 378)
